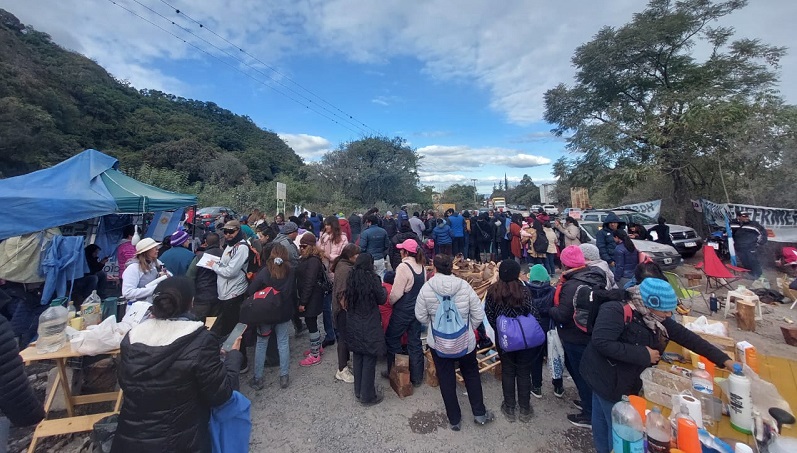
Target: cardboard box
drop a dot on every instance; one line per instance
(725, 344)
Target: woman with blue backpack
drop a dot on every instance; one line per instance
(452, 310)
(519, 337)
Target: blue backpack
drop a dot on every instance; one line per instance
(451, 334)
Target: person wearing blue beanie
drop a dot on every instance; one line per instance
(627, 338)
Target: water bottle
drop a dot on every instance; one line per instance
(674, 417)
(628, 432)
(52, 328)
(658, 432)
(741, 404)
(72, 312)
(704, 391)
(713, 303)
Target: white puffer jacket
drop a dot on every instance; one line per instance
(463, 295)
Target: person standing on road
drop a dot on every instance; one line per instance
(512, 298)
(375, 242)
(626, 258)
(748, 236)
(485, 236)
(341, 267)
(542, 298)
(355, 223)
(470, 309)
(231, 281)
(206, 300)
(417, 225)
(311, 295)
(605, 239)
(571, 231)
(410, 277)
(332, 241)
(364, 334)
(457, 224)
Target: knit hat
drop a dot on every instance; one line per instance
(572, 257)
(178, 238)
(658, 294)
(410, 245)
(289, 228)
(538, 273)
(307, 239)
(590, 251)
(509, 271)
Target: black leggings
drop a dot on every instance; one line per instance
(312, 323)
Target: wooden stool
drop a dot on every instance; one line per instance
(693, 279)
(734, 296)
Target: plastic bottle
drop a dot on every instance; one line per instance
(658, 432)
(703, 386)
(628, 432)
(751, 358)
(740, 401)
(52, 328)
(71, 311)
(91, 309)
(674, 417)
(713, 303)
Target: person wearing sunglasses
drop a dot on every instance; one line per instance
(748, 235)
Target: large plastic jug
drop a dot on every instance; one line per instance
(91, 310)
(52, 328)
(741, 404)
(628, 432)
(658, 432)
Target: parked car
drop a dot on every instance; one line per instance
(206, 217)
(535, 208)
(685, 239)
(550, 209)
(666, 256)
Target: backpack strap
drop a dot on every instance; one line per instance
(628, 313)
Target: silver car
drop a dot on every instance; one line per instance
(664, 255)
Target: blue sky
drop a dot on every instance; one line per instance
(461, 81)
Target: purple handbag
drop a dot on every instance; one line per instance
(516, 334)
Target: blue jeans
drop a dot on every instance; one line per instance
(550, 263)
(282, 331)
(573, 354)
(5, 425)
(329, 329)
(602, 424)
(403, 320)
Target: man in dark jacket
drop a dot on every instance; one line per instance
(626, 341)
(390, 224)
(457, 224)
(605, 239)
(206, 300)
(355, 223)
(17, 401)
(662, 231)
(375, 242)
(748, 235)
(577, 280)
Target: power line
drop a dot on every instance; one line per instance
(227, 63)
(285, 76)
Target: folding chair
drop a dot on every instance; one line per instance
(681, 291)
(717, 274)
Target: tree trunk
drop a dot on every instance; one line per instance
(745, 315)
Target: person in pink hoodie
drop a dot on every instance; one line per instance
(126, 250)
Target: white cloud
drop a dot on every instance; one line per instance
(386, 100)
(515, 52)
(444, 159)
(309, 147)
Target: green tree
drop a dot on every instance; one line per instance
(643, 103)
(462, 195)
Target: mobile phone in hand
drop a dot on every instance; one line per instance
(237, 331)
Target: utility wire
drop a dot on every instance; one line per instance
(285, 76)
(230, 64)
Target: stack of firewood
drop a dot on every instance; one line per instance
(479, 276)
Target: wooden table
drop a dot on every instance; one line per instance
(72, 423)
(782, 373)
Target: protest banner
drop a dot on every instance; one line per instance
(781, 223)
(649, 208)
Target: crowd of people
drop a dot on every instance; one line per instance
(367, 277)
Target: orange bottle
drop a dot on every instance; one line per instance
(751, 358)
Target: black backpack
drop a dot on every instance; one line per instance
(253, 264)
(323, 281)
(541, 243)
(583, 237)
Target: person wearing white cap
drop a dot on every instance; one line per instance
(143, 273)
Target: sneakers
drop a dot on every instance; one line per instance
(509, 411)
(307, 352)
(559, 391)
(537, 392)
(311, 360)
(484, 419)
(345, 376)
(326, 343)
(256, 384)
(580, 420)
(526, 414)
(284, 381)
(577, 405)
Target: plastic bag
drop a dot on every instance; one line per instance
(100, 339)
(488, 329)
(556, 355)
(103, 432)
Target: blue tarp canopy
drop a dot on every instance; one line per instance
(82, 187)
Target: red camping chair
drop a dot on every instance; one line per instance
(717, 273)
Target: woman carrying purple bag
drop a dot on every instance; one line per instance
(511, 298)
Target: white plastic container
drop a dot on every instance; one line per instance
(658, 432)
(703, 387)
(628, 432)
(52, 328)
(741, 404)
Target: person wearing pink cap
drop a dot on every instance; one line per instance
(577, 281)
(410, 277)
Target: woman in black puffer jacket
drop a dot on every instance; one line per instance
(171, 376)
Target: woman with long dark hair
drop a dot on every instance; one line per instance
(512, 298)
(364, 335)
(626, 257)
(172, 376)
(280, 275)
(332, 241)
(311, 295)
(341, 267)
(515, 233)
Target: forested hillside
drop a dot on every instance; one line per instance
(55, 103)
